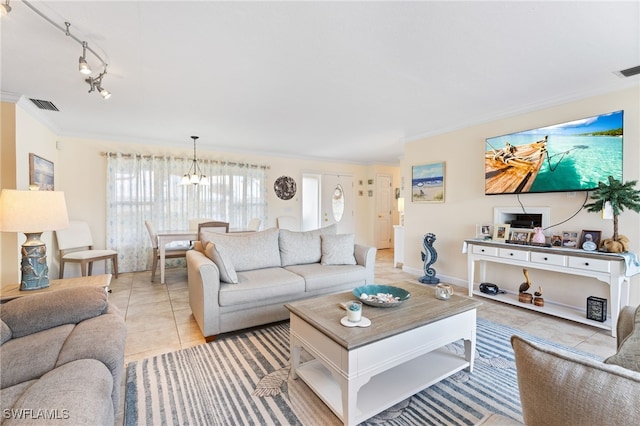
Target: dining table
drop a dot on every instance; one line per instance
(168, 236)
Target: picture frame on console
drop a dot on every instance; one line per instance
(501, 232)
(570, 239)
(590, 237)
(522, 236)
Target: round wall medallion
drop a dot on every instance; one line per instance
(285, 187)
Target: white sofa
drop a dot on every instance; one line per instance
(240, 281)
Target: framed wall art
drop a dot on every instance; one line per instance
(427, 183)
(40, 173)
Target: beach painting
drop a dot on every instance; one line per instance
(427, 183)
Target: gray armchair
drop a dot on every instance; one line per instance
(561, 388)
(61, 353)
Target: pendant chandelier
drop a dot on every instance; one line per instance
(194, 176)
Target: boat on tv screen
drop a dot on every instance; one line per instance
(567, 157)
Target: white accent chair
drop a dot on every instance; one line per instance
(288, 222)
(75, 245)
(254, 224)
(172, 251)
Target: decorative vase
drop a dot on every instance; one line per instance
(538, 236)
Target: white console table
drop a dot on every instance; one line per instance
(608, 268)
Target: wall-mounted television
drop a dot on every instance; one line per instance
(565, 157)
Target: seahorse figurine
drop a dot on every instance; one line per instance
(429, 257)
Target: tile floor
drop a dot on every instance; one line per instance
(159, 319)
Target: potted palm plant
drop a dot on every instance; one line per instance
(619, 196)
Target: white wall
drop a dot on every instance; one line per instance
(466, 205)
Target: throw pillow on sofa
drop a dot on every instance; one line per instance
(219, 256)
(338, 249)
(628, 355)
(246, 252)
(301, 248)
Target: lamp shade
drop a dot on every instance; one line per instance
(32, 211)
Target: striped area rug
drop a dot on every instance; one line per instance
(244, 380)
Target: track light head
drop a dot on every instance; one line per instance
(83, 65)
(104, 93)
(5, 8)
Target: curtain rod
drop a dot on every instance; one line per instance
(163, 157)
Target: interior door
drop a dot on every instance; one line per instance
(383, 212)
(337, 203)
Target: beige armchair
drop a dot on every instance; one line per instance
(76, 246)
(561, 388)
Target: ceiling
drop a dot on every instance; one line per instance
(338, 81)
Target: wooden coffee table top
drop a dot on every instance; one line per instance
(324, 314)
(12, 291)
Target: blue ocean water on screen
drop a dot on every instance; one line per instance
(572, 163)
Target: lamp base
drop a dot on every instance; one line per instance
(35, 272)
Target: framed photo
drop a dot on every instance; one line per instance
(591, 237)
(521, 235)
(484, 232)
(570, 239)
(501, 232)
(40, 173)
(427, 183)
(556, 240)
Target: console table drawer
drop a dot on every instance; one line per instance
(513, 254)
(548, 259)
(590, 264)
(489, 251)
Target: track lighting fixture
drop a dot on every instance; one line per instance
(5, 8)
(194, 175)
(95, 83)
(84, 66)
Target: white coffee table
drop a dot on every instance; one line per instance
(360, 372)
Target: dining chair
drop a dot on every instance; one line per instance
(75, 245)
(193, 223)
(213, 226)
(254, 224)
(172, 251)
(287, 222)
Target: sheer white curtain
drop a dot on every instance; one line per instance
(143, 188)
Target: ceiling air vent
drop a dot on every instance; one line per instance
(48, 105)
(629, 72)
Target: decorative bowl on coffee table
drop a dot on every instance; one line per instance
(381, 296)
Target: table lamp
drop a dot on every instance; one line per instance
(33, 212)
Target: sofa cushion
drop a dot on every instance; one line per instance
(218, 254)
(319, 277)
(80, 392)
(338, 249)
(628, 355)
(31, 356)
(299, 248)
(5, 332)
(261, 285)
(47, 310)
(247, 251)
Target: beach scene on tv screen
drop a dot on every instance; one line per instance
(571, 156)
